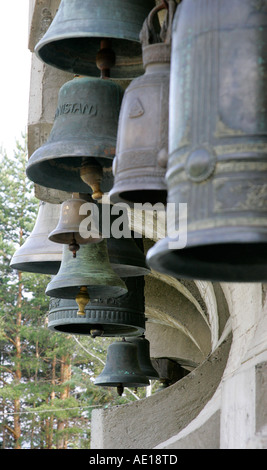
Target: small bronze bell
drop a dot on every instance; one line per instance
(72, 41)
(122, 368)
(140, 164)
(123, 316)
(38, 254)
(89, 276)
(69, 229)
(77, 157)
(143, 349)
(217, 162)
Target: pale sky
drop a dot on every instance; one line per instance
(15, 71)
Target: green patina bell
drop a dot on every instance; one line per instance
(123, 316)
(126, 253)
(143, 350)
(72, 41)
(217, 163)
(88, 276)
(122, 368)
(38, 254)
(68, 230)
(78, 154)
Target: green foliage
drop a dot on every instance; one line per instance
(47, 390)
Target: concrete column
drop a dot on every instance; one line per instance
(244, 392)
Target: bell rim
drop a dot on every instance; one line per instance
(114, 322)
(37, 173)
(74, 148)
(104, 382)
(159, 257)
(123, 72)
(38, 267)
(59, 236)
(130, 270)
(55, 289)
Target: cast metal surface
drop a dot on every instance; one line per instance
(72, 41)
(140, 163)
(91, 268)
(69, 224)
(83, 137)
(217, 142)
(122, 367)
(38, 254)
(126, 253)
(143, 351)
(123, 316)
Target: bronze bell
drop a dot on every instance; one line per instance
(89, 276)
(72, 41)
(38, 254)
(143, 350)
(217, 161)
(126, 257)
(77, 157)
(126, 254)
(69, 228)
(140, 164)
(122, 368)
(123, 316)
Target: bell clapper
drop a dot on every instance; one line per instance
(120, 389)
(92, 174)
(82, 300)
(96, 332)
(105, 58)
(74, 246)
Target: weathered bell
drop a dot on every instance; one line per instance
(89, 276)
(140, 164)
(123, 316)
(77, 156)
(72, 41)
(122, 368)
(217, 161)
(126, 255)
(143, 351)
(69, 228)
(38, 254)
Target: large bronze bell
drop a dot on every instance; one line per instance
(72, 41)
(38, 254)
(126, 254)
(143, 351)
(140, 163)
(77, 156)
(89, 276)
(123, 316)
(122, 368)
(217, 142)
(69, 228)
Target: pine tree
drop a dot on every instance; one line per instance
(46, 379)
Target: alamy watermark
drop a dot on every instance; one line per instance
(157, 221)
